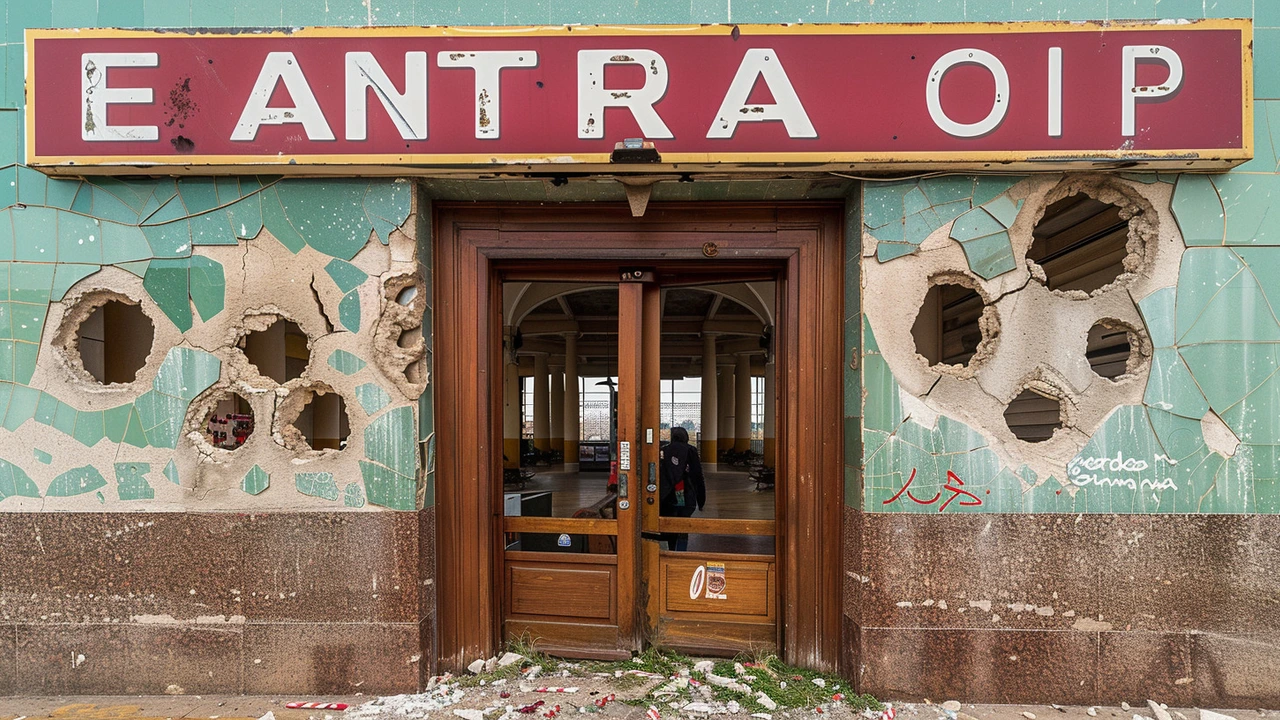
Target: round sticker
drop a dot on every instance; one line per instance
(695, 584)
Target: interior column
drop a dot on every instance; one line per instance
(510, 405)
(710, 408)
(770, 422)
(541, 402)
(726, 407)
(742, 403)
(571, 417)
(557, 409)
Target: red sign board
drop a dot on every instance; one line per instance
(958, 96)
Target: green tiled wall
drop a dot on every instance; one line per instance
(150, 228)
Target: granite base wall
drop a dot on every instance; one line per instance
(113, 603)
(1068, 609)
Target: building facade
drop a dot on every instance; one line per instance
(254, 416)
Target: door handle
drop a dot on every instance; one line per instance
(653, 479)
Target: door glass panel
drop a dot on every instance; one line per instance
(717, 362)
(560, 410)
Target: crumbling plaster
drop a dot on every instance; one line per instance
(1033, 336)
(265, 277)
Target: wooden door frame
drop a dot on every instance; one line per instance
(470, 238)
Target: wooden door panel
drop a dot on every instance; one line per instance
(748, 593)
(562, 591)
(708, 637)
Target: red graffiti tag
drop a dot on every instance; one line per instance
(956, 491)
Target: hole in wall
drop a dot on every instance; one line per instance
(229, 423)
(410, 337)
(1033, 415)
(323, 421)
(413, 372)
(1109, 349)
(114, 341)
(281, 352)
(947, 330)
(405, 297)
(1081, 243)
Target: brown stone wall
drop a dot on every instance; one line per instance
(114, 603)
(1068, 609)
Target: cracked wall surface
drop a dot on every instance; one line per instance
(1189, 428)
(208, 261)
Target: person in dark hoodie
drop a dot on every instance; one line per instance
(682, 487)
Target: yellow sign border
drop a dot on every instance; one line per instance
(1187, 159)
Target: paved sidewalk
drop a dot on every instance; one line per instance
(237, 707)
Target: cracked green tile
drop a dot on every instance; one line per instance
(131, 483)
(353, 496)
(79, 239)
(7, 353)
(886, 251)
(27, 321)
(1238, 312)
(123, 243)
(372, 397)
(166, 282)
(346, 276)
(321, 485)
(914, 201)
(6, 231)
(14, 482)
(255, 481)
(25, 355)
(328, 213)
(277, 222)
(1256, 418)
(199, 194)
(1170, 386)
(882, 203)
(76, 481)
(918, 226)
(390, 439)
(115, 422)
(22, 406)
(1158, 314)
(1203, 272)
(387, 205)
(1264, 264)
(89, 427)
(1179, 437)
(134, 433)
(975, 224)
(345, 363)
(1231, 487)
(35, 237)
(989, 256)
(988, 187)
(170, 241)
(947, 189)
(46, 408)
(1004, 209)
(171, 472)
(31, 282)
(245, 217)
(31, 186)
(64, 417)
(1246, 199)
(883, 408)
(41, 456)
(1251, 363)
(349, 311)
(1198, 210)
(186, 372)
(68, 275)
(208, 287)
(138, 268)
(211, 228)
(387, 488)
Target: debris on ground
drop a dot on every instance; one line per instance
(653, 685)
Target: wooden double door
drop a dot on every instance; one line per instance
(640, 326)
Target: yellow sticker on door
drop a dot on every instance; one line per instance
(715, 581)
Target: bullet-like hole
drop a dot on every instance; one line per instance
(947, 329)
(229, 424)
(323, 421)
(1033, 415)
(1109, 349)
(114, 341)
(1081, 243)
(281, 352)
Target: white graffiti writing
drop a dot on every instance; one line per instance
(1117, 471)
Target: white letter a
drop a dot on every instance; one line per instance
(282, 66)
(761, 62)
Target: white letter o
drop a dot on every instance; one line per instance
(933, 92)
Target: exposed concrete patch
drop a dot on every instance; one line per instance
(1041, 333)
(1218, 436)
